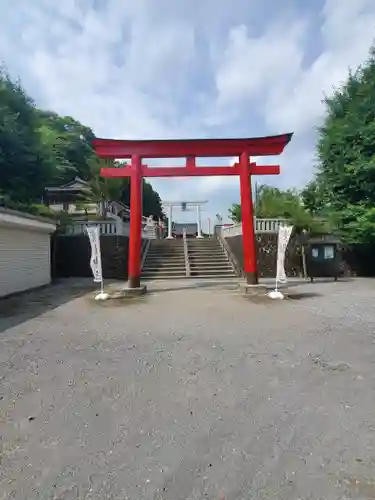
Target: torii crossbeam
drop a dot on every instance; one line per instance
(191, 149)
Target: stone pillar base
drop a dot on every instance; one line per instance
(129, 292)
(258, 290)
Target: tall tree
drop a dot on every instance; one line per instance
(344, 183)
(151, 201)
(68, 144)
(271, 202)
(24, 167)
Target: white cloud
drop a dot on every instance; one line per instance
(347, 33)
(251, 64)
(161, 68)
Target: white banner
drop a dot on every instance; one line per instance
(93, 233)
(282, 243)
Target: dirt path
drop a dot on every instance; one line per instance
(189, 394)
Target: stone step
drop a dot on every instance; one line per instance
(164, 268)
(212, 268)
(203, 260)
(168, 251)
(202, 244)
(165, 251)
(223, 265)
(212, 276)
(166, 245)
(159, 257)
(163, 259)
(203, 247)
(204, 250)
(163, 276)
(204, 254)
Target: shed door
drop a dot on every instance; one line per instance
(24, 260)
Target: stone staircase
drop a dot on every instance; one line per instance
(208, 259)
(165, 259)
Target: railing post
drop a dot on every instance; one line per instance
(186, 253)
(119, 226)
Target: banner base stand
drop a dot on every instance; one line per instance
(102, 296)
(275, 294)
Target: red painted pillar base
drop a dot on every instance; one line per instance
(135, 237)
(248, 232)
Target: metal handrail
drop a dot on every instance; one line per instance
(146, 247)
(186, 253)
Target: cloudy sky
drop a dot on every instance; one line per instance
(190, 68)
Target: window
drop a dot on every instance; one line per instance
(329, 252)
(315, 252)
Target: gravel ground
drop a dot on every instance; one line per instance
(195, 393)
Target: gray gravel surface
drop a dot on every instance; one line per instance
(196, 393)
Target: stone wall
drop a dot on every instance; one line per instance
(71, 256)
(266, 255)
(267, 252)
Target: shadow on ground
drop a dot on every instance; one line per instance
(303, 295)
(19, 308)
(345, 279)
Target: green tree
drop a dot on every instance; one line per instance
(344, 184)
(68, 145)
(151, 201)
(24, 168)
(234, 213)
(271, 202)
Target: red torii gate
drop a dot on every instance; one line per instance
(191, 149)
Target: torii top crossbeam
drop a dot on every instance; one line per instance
(172, 148)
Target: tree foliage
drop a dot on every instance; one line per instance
(344, 184)
(23, 166)
(40, 148)
(271, 202)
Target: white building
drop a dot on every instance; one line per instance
(25, 251)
